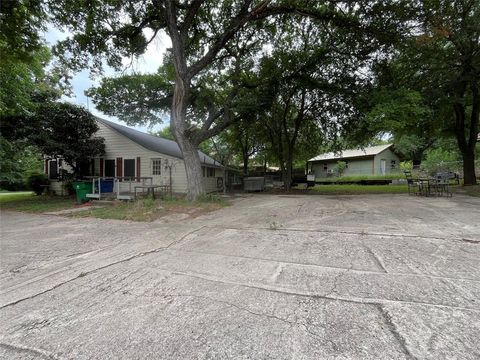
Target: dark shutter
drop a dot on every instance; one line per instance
(119, 167)
(138, 168)
(46, 167)
(101, 167)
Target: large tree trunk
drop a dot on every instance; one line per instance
(467, 147)
(469, 177)
(288, 177)
(245, 164)
(193, 167)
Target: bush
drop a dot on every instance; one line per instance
(437, 160)
(340, 167)
(406, 165)
(35, 182)
(211, 198)
(15, 185)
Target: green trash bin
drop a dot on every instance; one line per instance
(82, 188)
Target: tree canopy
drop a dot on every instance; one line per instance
(212, 43)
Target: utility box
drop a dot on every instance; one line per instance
(254, 184)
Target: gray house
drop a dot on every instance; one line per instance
(374, 160)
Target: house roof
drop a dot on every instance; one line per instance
(347, 154)
(155, 143)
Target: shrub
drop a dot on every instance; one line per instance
(437, 160)
(13, 185)
(406, 165)
(35, 182)
(340, 167)
(211, 198)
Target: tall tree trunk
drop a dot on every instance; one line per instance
(467, 145)
(245, 163)
(469, 177)
(193, 167)
(288, 174)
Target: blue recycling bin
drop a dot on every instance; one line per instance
(106, 185)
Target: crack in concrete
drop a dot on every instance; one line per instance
(396, 334)
(29, 350)
(286, 262)
(82, 274)
(352, 300)
(375, 258)
(473, 241)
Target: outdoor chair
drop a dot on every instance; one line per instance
(413, 186)
(441, 184)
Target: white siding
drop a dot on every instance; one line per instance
(117, 145)
(355, 167)
(388, 155)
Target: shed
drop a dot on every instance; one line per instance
(373, 160)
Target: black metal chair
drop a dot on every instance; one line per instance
(442, 184)
(412, 184)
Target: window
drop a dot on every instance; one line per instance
(325, 167)
(110, 168)
(129, 168)
(208, 171)
(156, 166)
(393, 164)
(52, 169)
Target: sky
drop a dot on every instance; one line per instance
(147, 63)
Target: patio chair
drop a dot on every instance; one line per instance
(442, 184)
(413, 186)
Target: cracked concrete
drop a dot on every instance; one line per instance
(348, 277)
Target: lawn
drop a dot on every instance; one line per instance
(150, 210)
(142, 210)
(358, 189)
(28, 202)
(472, 190)
(355, 178)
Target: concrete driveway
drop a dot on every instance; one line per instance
(271, 277)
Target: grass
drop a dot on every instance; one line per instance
(358, 189)
(142, 210)
(150, 210)
(472, 190)
(28, 202)
(351, 178)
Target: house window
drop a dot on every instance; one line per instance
(208, 171)
(156, 166)
(393, 164)
(346, 164)
(129, 168)
(325, 167)
(53, 169)
(110, 168)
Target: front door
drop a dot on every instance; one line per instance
(157, 173)
(383, 166)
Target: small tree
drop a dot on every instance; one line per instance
(340, 167)
(67, 131)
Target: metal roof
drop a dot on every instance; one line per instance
(347, 154)
(155, 143)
